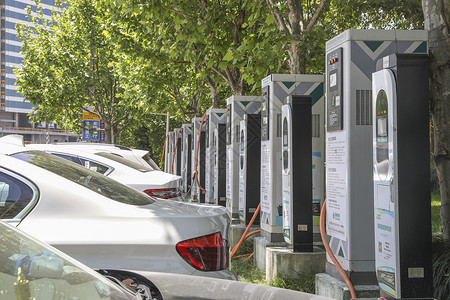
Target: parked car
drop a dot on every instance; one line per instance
(136, 175)
(30, 269)
(106, 224)
(136, 155)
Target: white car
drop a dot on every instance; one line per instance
(31, 269)
(136, 155)
(105, 224)
(141, 177)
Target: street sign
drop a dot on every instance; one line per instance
(90, 130)
(90, 116)
(89, 113)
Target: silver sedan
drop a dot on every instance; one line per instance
(105, 224)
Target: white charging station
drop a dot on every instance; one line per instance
(401, 177)
(275, 89)
(215, 116)
(196, 193)
(168, 159)
(220, 154)
(249, 167)
(186, 154)
(176, 155)
(350, 61)
(237, 107)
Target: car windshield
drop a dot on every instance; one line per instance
(92, 180)
(30, 269)
(125, 162)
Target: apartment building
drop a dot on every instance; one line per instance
(14, 109)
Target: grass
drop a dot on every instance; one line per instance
(248, 272)
(441, 253)
(435, 212)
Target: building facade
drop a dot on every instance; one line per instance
(14, 108)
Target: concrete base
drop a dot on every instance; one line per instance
(329, 286)
(236, 233)
(357, 278)
(259, 247)
(289, 264)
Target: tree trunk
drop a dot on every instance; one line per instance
(437, 15)
(297, 59)
(215, 96)
(110, 133)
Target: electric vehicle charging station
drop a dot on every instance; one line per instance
(237, 107)
(350, 61)
(220, 154)
(296, 178)
(275, 89)
(170, 146)
(401, 177)
(249, 159)
(186, 154)
(177, 150)
(214, 117)
(197, 194)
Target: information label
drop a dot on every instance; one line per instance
(208, 152)
(266, 203)
(336, 188)
(229, 174)
(317, 186)
(385, 251)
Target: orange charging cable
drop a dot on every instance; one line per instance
(175, 150)
(244, 235)
(330, 253)
(163, 153)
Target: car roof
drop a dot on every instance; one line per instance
(135, 155)
(93, 155)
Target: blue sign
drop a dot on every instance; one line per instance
(102, 135)
(90, 130)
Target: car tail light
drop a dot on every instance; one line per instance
(205, 253)
(164, 193)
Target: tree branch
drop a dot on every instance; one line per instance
(119, 131)
(221, 74)
(180, 13)
(278, 19)
(311, 22)
(202, 5)
(295, 16)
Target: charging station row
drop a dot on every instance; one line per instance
(359, 134)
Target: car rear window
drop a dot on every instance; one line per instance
(92, 180)
(125, 162)
(150, 161)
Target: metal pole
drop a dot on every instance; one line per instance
(166, 154)
(167, 123)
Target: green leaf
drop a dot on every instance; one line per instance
(228, 56)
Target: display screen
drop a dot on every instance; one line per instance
(333, 79)
(382, 126)
(264, 111)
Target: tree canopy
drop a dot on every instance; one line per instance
(69, 63)
(133, 59)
